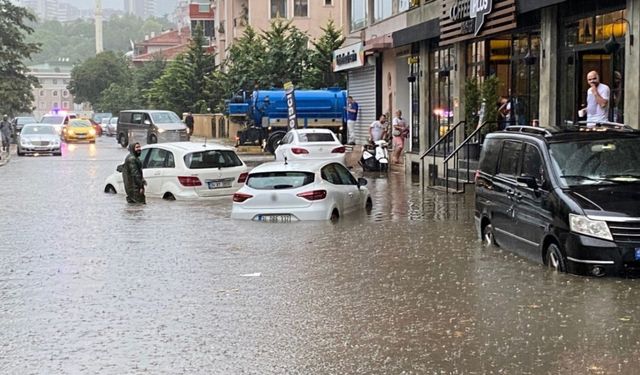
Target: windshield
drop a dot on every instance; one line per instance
(39, 130)
(597, 161)
(80, 123)
(279, 180)
(52, 120)
(165, 118)
(25, 120)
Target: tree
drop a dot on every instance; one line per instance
(286, 56)
(244, 63)
(320, 71)
(118, 97)
(15, 84)
(96, 74)
(185, 84)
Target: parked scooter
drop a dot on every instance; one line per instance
(375, 156)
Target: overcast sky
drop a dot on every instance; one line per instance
(164, 6)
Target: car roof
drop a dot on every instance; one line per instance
(294, 165)
(567, 134)
(147, 110)
(191, 146)
(312, 130)
(38, 124)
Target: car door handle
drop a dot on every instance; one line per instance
(157, 173)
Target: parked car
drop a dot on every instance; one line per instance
(58, 120)
(185, 170)
(569, 199)
(96, 126)
(309, 144)
(79, 130)
(111, 127)
(150, 126)
(18, 122)
(283, 192)
(98, 117)
(38, 139)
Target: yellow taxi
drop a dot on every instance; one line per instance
(79, 129)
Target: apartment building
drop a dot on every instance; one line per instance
(232, 17)
(140, 8)
(417, 55)
(53, 93)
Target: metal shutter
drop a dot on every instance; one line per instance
(362, 86)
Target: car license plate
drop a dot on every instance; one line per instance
(81, 136)
(217, 184)
(637, 253)
(285, 218)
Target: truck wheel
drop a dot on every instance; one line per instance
(273, 141)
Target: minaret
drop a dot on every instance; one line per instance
(98, 17)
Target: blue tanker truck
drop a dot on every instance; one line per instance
(264, 114)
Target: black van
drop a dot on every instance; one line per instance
(569, 198)
(150, 126)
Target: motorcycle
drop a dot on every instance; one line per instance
(375, 156)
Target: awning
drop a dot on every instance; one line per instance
(378, 43)
(425, 30)
(529, 5)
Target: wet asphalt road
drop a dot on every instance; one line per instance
(90, 285)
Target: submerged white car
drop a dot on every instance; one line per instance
(186, 170)
(38, 139)
(310, 144)
(283, 192)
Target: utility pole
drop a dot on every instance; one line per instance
(98, 20)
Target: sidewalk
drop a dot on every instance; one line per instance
(5, 157)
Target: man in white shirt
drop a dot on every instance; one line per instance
(378, 129)
(597, 99)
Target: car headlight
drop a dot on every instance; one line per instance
(92, 131)
(595, 228)
(161, 130)
(25, 142)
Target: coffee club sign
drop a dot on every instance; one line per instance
(470, 14)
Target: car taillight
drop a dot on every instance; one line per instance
(339, 150)
(241, 197)
(298, 151)
(189, 181)
(243, 178)
(314, 195)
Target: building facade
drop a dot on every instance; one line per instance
(140, 8)
(232, 17)
(417, 56)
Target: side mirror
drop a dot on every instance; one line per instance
(528, 181)
(362, 182)
(147, 122)
(119, 168)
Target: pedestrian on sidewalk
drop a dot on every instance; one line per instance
(134, 182)
(188, 120)
(352, 116)
(400, 128)
(5, 130)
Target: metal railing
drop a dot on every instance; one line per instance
(442, 147)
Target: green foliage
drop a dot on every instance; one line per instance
(185, 84)
(96, 74)
(286, 55)
(320, 70)
(15, 86)
(244, 65)
(76, 40)
(118, 97)
(476, 94)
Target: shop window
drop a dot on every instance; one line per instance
(358, 14)
(441, 106)
(300, 8)
(382, 9)
(328, 3)
(278, 8)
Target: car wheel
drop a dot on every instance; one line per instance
(94, 141)
(122, 139)
(110, 189)
(152, 139)
(554, 258)
(59, 153)
(487, 235)
(20, 153)
(335, 215)
(168, 197)
(368, 206)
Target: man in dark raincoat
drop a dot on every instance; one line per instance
(132, 175)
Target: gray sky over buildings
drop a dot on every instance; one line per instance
(163, 6)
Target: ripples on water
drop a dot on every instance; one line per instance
(90, 284)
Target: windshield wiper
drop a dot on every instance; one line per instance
(623, 175)
(579, 177)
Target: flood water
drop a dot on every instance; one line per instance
(91, 285)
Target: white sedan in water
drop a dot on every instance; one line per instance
(310, 144)
(300, 190)
(186, 170)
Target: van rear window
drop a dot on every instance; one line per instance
(279, 180)
(212, 159)
(489, 157)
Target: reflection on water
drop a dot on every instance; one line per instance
(90, 284)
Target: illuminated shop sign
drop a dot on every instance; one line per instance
(470, 14)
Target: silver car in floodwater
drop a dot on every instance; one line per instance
(39, 139)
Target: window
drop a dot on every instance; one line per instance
(55, 81)
(136, 118)
(316, 137)
(65, 93)
(510, 157)
(278, 8)
(55, 93)
(490, 156)
(160, 158)
(403, 5)
(358, 14)
(300, 8)
(330, 175)
(65, 105)
(212, 159)
(55, 105)
(345, 176)
(381, 10)
(143, 157)
(279, 180)
(328, 3)
(532, 164)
